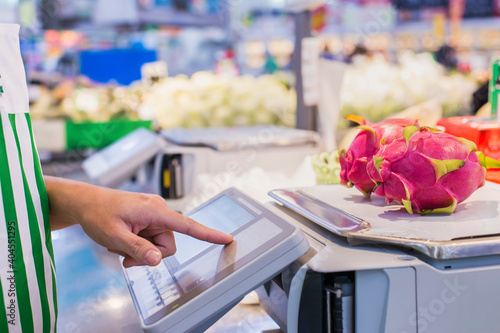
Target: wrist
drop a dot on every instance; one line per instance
(62, 194)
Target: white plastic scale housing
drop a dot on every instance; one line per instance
(201, 282)
(379, 269)
(119, 161)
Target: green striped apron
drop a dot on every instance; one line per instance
(27, 278)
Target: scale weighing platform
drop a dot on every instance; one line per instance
(240, 138)
(472, 230)
(191, 290)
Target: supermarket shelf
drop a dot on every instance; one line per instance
(160, 16)
(416, 27)
(163, 16)
(468, 23)
(480, 23)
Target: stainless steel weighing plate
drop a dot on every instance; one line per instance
(236, 138)
(472, 230)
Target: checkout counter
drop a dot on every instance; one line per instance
(325, 259)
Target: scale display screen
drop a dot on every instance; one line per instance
(223, 214)
(197, 265)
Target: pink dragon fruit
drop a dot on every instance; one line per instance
(427, 171)
(353, 162)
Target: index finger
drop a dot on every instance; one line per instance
(204, 233)
(190, 227)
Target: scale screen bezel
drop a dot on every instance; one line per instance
(259, 213)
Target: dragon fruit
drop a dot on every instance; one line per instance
(353, 162)
(427, 171)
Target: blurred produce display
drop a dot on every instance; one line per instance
(218, 100)
(81, 101)
(203, 100)
(375, 88)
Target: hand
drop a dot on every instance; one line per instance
(138, 226)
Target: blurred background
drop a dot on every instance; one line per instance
(234, 62)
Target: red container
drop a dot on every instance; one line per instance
(483, 131)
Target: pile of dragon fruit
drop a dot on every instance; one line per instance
(422, 168)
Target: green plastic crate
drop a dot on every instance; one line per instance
(85, 135)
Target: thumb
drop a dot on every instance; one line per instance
(140, 251)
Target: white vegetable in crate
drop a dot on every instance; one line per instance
(375, 88)
(210, 100)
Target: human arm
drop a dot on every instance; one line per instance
(138, 226)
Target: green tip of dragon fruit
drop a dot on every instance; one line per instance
(438, 211)
(409, 131)
(472, 146)
(407, 204)
(428, 172)
(356, 119)
(443, 167)
(377, 161)
(487, 162)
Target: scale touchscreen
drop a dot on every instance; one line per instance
(223, 214)
(198, 265)
(204, 269)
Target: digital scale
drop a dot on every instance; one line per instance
(325, 259)
(192, 289)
